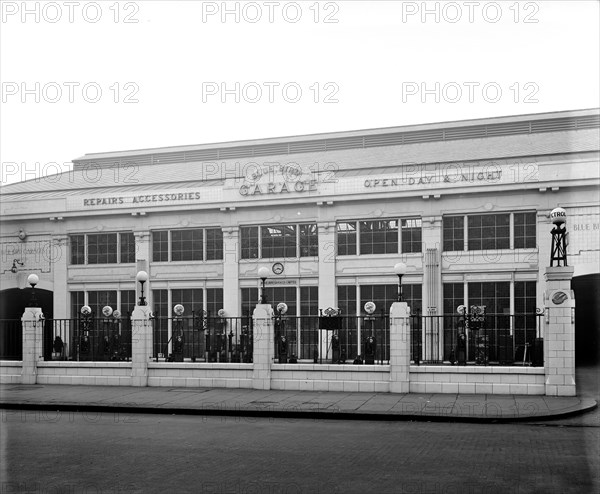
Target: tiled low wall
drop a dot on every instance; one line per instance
(10, 371)
(88, 373)
(203, 375)
(477, 380)
(315, 377)
(295, 377)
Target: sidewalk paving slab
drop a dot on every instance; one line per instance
(305, 404)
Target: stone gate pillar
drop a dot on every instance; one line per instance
(33, 336)
(559, 332)
(263, 346)
(399, 348)
(141, 345)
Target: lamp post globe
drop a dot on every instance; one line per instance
(141, 278)
(400, 270)
(33, 279)
(558, 216)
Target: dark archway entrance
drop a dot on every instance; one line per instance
(587, 318)
(12, 306)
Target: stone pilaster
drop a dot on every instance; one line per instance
(559, 332)
(399, 348)
(231, 272)
(264, 346)
(327, 287)
(60, 264)
(141, 344)
(33, 325)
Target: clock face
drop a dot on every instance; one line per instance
(277, 268)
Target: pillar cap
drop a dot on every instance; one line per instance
(558, 273)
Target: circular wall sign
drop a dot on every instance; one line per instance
(559, 297)
(277, 268)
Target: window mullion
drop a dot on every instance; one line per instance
(511, 232)
(399, 249)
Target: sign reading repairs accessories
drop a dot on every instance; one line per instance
(161, 198)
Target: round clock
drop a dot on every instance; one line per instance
(277, 268)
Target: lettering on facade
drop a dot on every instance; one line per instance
(142, 199)
(586, 227)
(278, 187)
(276, 178)
(471, 177)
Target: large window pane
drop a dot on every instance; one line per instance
(127, 241)
(160, 246)
(379, 237)
(214, 301)
(309, 240)
(525, 230)
(495, 296)
(102, 248)
(249, 241)
(214, 244)
(411, 235)
(191, 299)
(187, 245)
(453, 231)
(278, 241)
(98, 299)
(454, 295)
(249, 301)
(128, 302)
(489, 232)
(161, 324)
(77, 249)
(346, 238)
(77, 302)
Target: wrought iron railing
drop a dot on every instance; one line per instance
(88, 339)
(332, 339)
(200, 338)
(498, 339)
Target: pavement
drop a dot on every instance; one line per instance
(303, 404)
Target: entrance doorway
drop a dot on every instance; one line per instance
(587, 318)
(12, 305)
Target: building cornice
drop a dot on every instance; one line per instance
(358, 139)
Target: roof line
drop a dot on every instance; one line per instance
(346, 133)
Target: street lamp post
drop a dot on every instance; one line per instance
(33, 279)
(263, 274)
(400, 270)
(141, 278)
